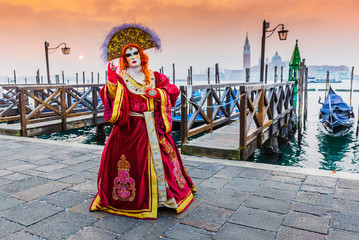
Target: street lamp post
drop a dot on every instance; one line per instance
(65, 50)
(282, 36)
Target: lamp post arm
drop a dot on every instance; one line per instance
(57, 46)
(273, 30)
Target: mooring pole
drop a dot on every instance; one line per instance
(351, 86)
(266, 72)
(247, 74)
(305, 95)
(326, 86)
(174, 74)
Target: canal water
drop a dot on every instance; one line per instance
(316, 150)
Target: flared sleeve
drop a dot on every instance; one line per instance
(115, 101)
(163, 106)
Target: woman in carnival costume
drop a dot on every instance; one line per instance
(141, 168)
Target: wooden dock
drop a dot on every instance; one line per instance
(32, 110)
(265, 111)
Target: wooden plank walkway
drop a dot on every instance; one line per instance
(36, 129)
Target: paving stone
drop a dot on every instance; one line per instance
(93, 170)
(281, 186)
(61, 226)
(7, 163)
(348, 184)
(116, 224)
(257, 218)
(57, 174)
(15, 156)
(337, 234)
(287, 233)
(205, 193)
(315, 198)
(285, 179)
(37, 157)
(311, 188)
(238, 232)
(321, 181)
(272, 205)
(66, 198)
(255, 173)
(78, 159)
(312, 209)
(21, 167)
(89, 186)
(32, 172)
(7, 202)
(4, 182)
(181, 231)
(78, 178)
(30, 213)
(40, 191)
(229, 172)
(25, 184)
(207, 217)
(7, 227)
(50, 167)
(307, 222)
(83, 208)
(172, 212)
(201, 173)
(244, 184)
(214, 182)
(22, 235)
(89, 233)
(212, 166)
(346, 206)
(349, 194)
(275, 193)
(289, 174)
(4, 172)
(15, 177)
(83, 166)
(197, 181)
(228, 198)
(149, 229)
(345, 221)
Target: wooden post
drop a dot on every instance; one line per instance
(83, 80)
(266, 74)
(188, 77)
(174, 74)
(57, 79)
(98, 78)
(63, 77)
(243, 124)
(91, 77)
(94, 104)
(8, 80)
(63, 109)
(351, 86)
(184, 109)
(209, 76)
(105, 76)
(42, 80)
(77, 79)
(191, 74)
(38, 76)
(209, 106)
(300, 99)
(14, 77)
(248, 75)
(25, 81)
(327, 86)
(281, 74)
(275, 74)
(163, 72)
(305, 95)
(228, 104)
(260, 113)
(22, 111)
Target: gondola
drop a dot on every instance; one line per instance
(336, 117)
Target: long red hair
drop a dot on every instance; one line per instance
(144, 61)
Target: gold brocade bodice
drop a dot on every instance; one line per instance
(136, 87)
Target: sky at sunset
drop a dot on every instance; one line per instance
(196, 33)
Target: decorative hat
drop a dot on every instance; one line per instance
(125, 34)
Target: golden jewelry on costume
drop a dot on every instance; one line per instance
(136, 87)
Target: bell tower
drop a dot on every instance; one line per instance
(246, 54)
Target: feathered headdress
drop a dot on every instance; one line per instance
(125, 34)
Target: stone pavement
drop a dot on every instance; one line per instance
(46, 188)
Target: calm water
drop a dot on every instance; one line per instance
(316, 150)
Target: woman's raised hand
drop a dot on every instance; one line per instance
(111, 73)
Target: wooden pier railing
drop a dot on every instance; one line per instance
(33, 110)
(262, 110)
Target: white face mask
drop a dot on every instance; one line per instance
(133, 57)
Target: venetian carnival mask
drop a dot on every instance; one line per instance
(133, 57)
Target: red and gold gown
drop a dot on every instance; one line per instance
(141, 168)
